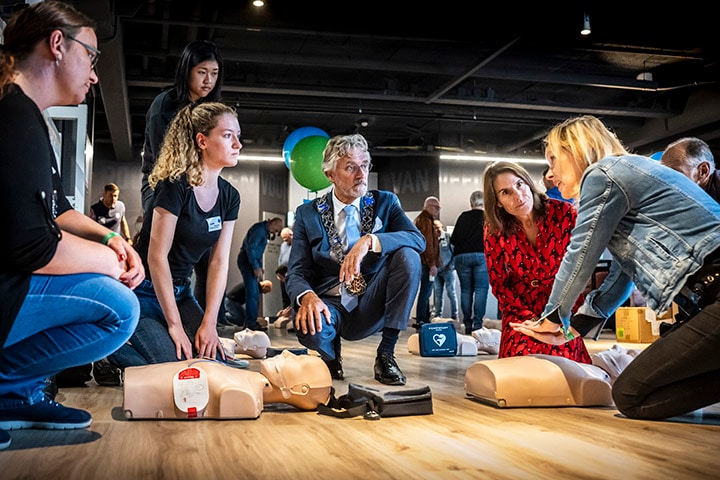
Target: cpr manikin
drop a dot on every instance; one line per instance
(302, 381)
(252, 343)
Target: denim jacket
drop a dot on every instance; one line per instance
(658, 225)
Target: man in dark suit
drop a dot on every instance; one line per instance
(353, 273)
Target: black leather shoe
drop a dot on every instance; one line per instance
(387, 370)
(335, 367)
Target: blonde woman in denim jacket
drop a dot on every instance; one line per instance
(663, 232)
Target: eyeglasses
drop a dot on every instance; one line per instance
(93, 52)
(352, 169)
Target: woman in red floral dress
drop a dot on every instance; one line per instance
(526, 235)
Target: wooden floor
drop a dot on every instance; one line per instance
(462, 439)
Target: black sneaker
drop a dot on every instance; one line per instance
(46, 414)
(4, 439)
(106, 374)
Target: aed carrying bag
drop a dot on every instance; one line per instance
(438, 340)
(373, 403)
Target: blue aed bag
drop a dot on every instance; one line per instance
(438, 340)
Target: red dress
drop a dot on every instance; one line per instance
(521, 278)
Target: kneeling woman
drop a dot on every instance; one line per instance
(526, 235)
(194, 209)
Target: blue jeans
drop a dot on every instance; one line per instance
(422, 310)
(474, 285)
(151, 342)
(445, 280)
(252, 293)
(65, 321)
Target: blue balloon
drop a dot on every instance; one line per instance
(298, 135)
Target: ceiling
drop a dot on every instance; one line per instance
(456, 77)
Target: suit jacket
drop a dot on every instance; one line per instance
(312, 267)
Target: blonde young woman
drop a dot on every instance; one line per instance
(194, 210)
(663, 232)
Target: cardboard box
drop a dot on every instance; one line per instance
(669, 315)
(636, 325)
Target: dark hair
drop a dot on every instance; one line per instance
(32, 25)
(281, 270)
(691, 151)
(496, 218)
(193, 54)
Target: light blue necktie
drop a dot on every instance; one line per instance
(352, 231)
(352, 235)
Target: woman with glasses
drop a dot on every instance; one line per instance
(65, 280)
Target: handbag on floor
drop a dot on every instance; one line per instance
(438, 340)
(374, 404)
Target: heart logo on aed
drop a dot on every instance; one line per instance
(439, 339)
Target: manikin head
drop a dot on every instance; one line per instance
(300, 380)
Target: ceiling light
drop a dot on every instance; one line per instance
(258, 3)
(586, 24)
(487, 158)
(363, 122)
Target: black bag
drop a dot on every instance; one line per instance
(438, 340)
(374, 404)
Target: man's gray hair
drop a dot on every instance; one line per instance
(339, 146)
(476, 199)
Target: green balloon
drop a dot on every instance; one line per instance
(306, 163)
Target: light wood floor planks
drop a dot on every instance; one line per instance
(463, 439)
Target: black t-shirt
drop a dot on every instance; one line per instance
(31, 197)
(468, 235)
(109, 217)
(196, 230)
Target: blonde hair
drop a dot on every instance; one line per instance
(586, 139)
(180, 154)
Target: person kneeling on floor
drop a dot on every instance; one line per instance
(355, 263)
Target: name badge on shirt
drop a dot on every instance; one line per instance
(214, 224)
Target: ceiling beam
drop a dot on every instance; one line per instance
(421, 101)
(111, 70)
